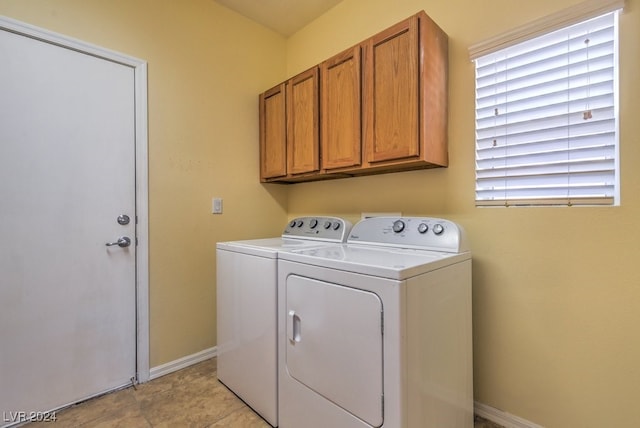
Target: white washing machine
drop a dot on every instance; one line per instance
(377, 332)
(247, 303)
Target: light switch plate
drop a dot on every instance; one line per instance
(216, 206)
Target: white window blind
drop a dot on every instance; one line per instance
(546, 119)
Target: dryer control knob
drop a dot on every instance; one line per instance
(327, 224)
(299, 223)
(438, 229)
(313, 223)
(292, 224)
(336, 225)
(398, 226)
(423, 227)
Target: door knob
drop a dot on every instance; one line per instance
(121, 242)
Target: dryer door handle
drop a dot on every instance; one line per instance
(293, 326)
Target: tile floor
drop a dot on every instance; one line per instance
(191, 397)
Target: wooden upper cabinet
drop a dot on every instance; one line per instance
(380, 106)
(273, 133)
(341, 110)
(405, 83)
(303, 138)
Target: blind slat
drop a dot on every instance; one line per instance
(539, 202)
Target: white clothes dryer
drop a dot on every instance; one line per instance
(377, 332)
(246, 308)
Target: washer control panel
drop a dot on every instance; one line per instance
(333, 229)
(426, 233)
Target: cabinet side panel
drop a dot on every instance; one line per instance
(341, 110)
(434, 70)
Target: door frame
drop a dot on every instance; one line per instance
(141, 169)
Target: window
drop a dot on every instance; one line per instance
(546, 118)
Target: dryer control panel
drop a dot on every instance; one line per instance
(424, 233)
(331, 229)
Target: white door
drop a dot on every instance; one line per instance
(67, 172)
(334, 345)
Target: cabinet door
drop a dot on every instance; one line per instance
(390, 100)
(341, 110)
(302, 123)
(273, 135)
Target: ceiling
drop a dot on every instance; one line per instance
(283, 16)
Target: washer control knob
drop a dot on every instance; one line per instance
(398, 226)
(438, 229)
(299, 223)
(336, 225)
(423, 227)
(292, 224)
(327, 224)
(313, 223)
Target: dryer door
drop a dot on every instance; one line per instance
(334, 344)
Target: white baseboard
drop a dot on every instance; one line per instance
(181, 363)
(505, 419)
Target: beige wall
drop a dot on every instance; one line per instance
(206, 66)
(556, 296)
(556, 290)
